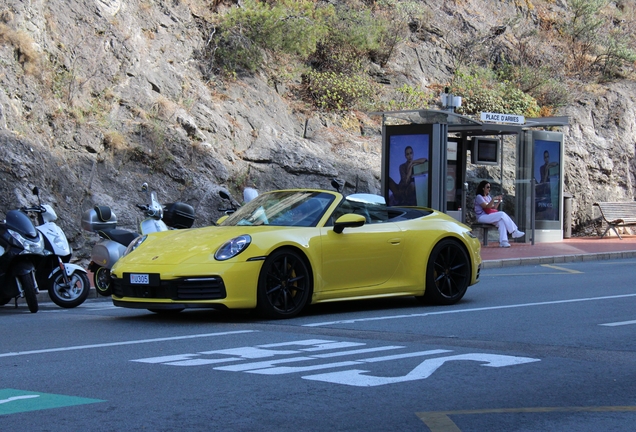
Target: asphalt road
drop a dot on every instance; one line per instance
(530, 348)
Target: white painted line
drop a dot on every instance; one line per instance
(419, 315)
(112, 344)
(15, 398)
(619, 323)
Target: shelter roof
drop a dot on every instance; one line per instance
(464, 124)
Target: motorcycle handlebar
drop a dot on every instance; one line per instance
(38, 209)
(149, 211)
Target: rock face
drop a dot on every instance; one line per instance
(99, 96)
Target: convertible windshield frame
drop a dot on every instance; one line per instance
(293, 208)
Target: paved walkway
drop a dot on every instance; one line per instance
(568, 250)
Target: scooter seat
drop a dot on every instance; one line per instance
(120, 236)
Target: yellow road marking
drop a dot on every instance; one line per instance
(440, 421)
(561, 268)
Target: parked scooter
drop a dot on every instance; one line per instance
(21, 250)
(68, 284)
(114, 241)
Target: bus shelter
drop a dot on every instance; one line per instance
(425, 155)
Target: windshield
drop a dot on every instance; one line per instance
(283, 208)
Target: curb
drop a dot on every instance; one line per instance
(560, 259)
(43, 297)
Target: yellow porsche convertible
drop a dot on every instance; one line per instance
(287, 249)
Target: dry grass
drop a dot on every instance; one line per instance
(114, 140)
(164, 107)
(23, 45)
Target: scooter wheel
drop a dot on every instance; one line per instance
(71, 295)
(103, 281)
(28, 287)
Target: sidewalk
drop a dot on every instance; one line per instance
(568, 250)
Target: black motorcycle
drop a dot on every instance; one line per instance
(21, 250)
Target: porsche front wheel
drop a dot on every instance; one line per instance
(447, 273)
(284, 285)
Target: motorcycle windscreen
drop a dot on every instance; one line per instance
(20, 222)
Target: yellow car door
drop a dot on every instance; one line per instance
(359, 260)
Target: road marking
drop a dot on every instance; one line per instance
(424, 370)
(441, 422)
(16, 401)
(535, 273)
(446, 312)
(300, 358)
(567, 270)
(15, 398)
(134, 342)
(614, 324)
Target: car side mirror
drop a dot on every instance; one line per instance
(349, 220)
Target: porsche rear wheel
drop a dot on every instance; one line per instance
(447, 273)
(284, 285)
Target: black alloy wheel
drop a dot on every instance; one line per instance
(284, 285)
(447, 274)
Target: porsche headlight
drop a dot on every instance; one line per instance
(232, 248)
(135, 244)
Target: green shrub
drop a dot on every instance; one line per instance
(482, 92)
(540, 82)
(354, 34)
(600, 41)
(337, 91)
(287, 26)
(408, 98)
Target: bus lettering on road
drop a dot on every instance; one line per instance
(311, 355)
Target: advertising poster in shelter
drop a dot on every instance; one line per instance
(408, 180)
(547, 172)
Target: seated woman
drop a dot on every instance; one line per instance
(486, 212)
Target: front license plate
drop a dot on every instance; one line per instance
(139, 279)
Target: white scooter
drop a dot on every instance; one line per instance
(113, 241)
(68, 284)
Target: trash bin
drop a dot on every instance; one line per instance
(567, 215)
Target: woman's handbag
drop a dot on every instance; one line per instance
(491, 210)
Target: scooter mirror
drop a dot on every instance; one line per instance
(36, 191)
(144, 187)
(224, 195)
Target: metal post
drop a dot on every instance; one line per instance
(567, 216)
(463, 214)
(533, 184)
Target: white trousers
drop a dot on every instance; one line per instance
(502, 221)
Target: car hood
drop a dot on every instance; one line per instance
(193, 246)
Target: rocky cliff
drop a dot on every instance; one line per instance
(99, 96)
